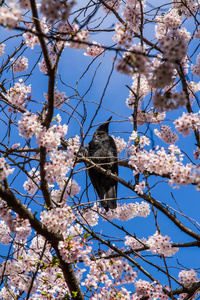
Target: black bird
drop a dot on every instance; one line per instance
(102, 151)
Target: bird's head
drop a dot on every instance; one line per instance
(104, 127)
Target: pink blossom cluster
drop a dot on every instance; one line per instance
(141, 140)
(72, 250)
(26, 261)
(187, 8)
(78, 37)
(72, 187)
(196, 68)
(197, 34)
(24, 4)
(5, 292)
(29, 125)
(134, 243)
(32, 39)
(68, 187)
(2, 48)
(10, 15)
(94, 50)
(50, 138)
(112, 293)
(5, 169)
(5, 236)
(114, 4)
(56, 10)
(20, 64)
(57, 167)
(120, 144)
(23, 230)
(150, 290)
(193, 88)
(143, 287)
(181, 175)
(140, 187)
(169, 100)
(110, 272)
(18, 95)
(89, 216)
(187, 122)
(187, 277)
(148, 117)
(131, 13)
(12, 269)
(196, 153)
(72, 150)
(134, 60)
(162, 163)
(6, 215)
(122, 35)
(196, 177)
(129, 211)
(50, 284)
(172, 19)
(161, 245)
(59, 98)
(174, 46)
(140, 87)
(57, 219)
(166, 135)
(162, 75)
(31, 184)
(20, 227)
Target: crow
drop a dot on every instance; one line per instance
(103, 152)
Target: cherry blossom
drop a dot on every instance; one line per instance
(5, 237)
(18, 95)
(2, 48)
(50, 138)
(59, 98)
(161, 245)
(32, 39)
(79, 38)
(24, 4)
(133, 243)
(133, 61)
(196, 68)
(141, 86)
(139, 187)
(166, 135)
(174, 46)
(120, 144)
(187, 8)
(94, 50)
(187, 122)
(55, 9)
(31, 184)
(20, 64)
(172, 19)
(29, 125)
(72, 250)
(57, 219)
(162, 75)
(5, 169)
(128, 211)
(114, 4)
(169, 100)
(10, 15)
(187, 277)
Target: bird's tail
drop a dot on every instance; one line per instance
(110, 194)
